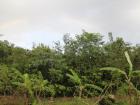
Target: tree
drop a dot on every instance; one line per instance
(8, 76)
(116, 49)
(84, 52)
(19, 59)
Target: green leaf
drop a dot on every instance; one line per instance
(129, 62)
(94, 87)
(113, 69)
(74, 77)
(27, 83)
(136, 72)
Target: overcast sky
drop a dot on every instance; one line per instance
(26, 21)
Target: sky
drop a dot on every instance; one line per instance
(23, 22)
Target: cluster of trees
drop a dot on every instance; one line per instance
(72, 68)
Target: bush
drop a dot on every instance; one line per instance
(123, 90)
(108, 100)
(121, 103)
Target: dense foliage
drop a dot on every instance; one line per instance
(69, 69)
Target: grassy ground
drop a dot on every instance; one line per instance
(69, 101)
(10, 100)
(77, 101)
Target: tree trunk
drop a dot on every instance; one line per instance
(80, 92)
(25, 99)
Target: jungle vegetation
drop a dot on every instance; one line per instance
(83, 66)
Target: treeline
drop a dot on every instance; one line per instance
(67, 68)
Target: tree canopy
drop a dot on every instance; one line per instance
(58, 71)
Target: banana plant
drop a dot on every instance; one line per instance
(80, 85)
(128, 75)
(39, 84)
(26, 87)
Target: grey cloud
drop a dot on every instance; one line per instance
(32, 19)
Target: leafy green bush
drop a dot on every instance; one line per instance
(122, 103)
(123, 89)
(107, 100)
